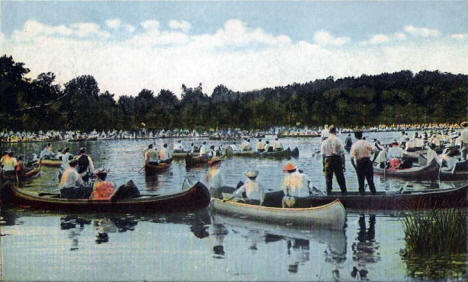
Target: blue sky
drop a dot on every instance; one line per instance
(244, 45)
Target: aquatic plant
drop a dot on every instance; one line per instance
(435, 243)
(436, 231)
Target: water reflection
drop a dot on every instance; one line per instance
(297, 241)
(151, 182)
(365, 249)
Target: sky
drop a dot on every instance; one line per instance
(245, 45)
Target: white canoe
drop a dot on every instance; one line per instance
(331, 216)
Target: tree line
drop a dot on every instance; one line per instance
(399, 97)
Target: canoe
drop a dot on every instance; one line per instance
(460, 172)
(193, 198)
(331, 215)
(191, 161)
(395, 200)
(35, 171)
(153, 169)
(287, 153)
(430, 171)
(179, 155)
(335, 240)
(52, 163)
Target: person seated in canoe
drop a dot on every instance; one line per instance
(381, 158)
(102, 189)
(277, 146)
(449, 157)
(178, 147)
(194, 149)
(164, 155)
(294, 185)
(66, 157)
(251, 190)
(348, 142)
(85, 164)
(8, 163)
(203, 150)
(396, 157)
(46, 153)
(213, 177)
(245, 146)
(268, 147)
(151, 155)
(20, 169)
(71, 183)
(260, 146)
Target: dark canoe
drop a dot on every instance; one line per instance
(196, 197)
(440, 198)
(287, 153)
(179, 154)
(53, 163)
(430, 171)
(460, 172)
(191, 161)
(35, 171)
(154, 169)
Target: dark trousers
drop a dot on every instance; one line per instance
(334, 165)
(365, 170)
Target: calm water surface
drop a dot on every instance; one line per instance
(38, 245)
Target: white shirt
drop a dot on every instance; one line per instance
(202, 150)
(325, 133)
(332, 146)
(215, 180)
(178, 147)
(361, 149)
(395, 152)
(464, 136)
(151, 155)
(65, 159)
(277, 145)
(70, 178)
(295, 184)
(245, 146)
(252, 189)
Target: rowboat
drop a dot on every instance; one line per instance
(331, 215)
(151, 169)
(430, 171)
(193, 198)
(287, 153)
(35, 171)
(52, 163)
(395, 200)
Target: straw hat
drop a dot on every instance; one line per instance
(252, 173)
(288, 167)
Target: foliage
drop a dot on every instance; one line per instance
(400, 97)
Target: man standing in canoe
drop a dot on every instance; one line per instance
(464, 140)
(360, 158)
(333, 160)
(164, 154)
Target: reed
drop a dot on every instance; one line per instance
(439, 231)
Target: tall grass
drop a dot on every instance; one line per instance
(435, 232)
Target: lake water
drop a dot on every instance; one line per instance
(38, 245)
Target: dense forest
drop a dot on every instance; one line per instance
(400, 97)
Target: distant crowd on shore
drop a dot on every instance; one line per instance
(224, 134)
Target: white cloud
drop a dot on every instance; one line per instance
(181, 25)
(421, 31)
(150, 25)
(113, 23)
(460, 36)
(129, 28)
(379, 39)
(88, 29)
(236, 55)
(399, 36)
(323, 37)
